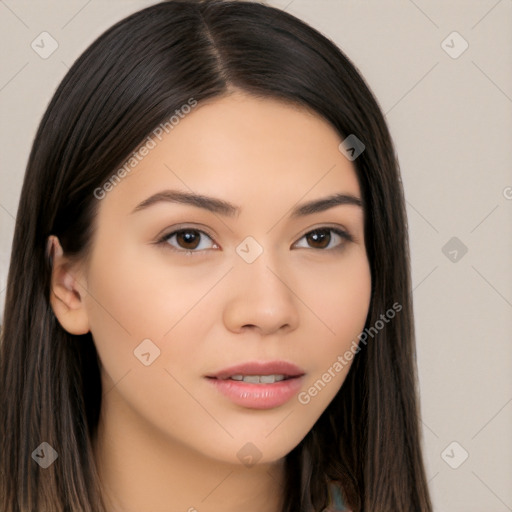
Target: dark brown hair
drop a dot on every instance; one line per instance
(131, 79)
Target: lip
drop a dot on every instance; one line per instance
(259, 396)
(260, 368)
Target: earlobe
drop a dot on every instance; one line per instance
(66, 293)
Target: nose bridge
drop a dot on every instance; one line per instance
(261, 296)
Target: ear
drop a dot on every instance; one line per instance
(66, 293)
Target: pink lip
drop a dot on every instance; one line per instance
(259, 396)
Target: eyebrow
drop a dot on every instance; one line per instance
(222, 207)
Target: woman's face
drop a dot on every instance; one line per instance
(180, 292)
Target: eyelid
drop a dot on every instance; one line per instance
(337, 228)
(162, 239)
(342, 232)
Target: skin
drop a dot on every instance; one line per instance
(167, 439)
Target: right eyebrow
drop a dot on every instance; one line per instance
(211, 204)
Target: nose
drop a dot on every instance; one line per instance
(261, 298)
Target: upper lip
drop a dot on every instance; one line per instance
(260, 368)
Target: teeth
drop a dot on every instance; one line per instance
(258, 379)
(269, 379)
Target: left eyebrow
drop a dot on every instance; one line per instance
(222, 207)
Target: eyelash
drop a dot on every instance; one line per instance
(164, 240)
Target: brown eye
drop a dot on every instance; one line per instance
(326, 239)
(320, 238)
(188, 241)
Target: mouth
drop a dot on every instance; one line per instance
(259, 385)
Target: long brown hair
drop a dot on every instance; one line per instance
(131, 79)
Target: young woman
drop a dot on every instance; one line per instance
(209, 301)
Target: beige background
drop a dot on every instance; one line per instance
(452, 125)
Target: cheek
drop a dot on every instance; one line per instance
(134, 291)
(349, 312)
(341, 305)
(135, 296)
(339, 295)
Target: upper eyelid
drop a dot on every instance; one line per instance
(175, 230)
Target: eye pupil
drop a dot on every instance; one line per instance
(189, 237)
(321, 235)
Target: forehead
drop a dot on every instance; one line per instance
(243, 149)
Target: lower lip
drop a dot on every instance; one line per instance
(258, 396)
